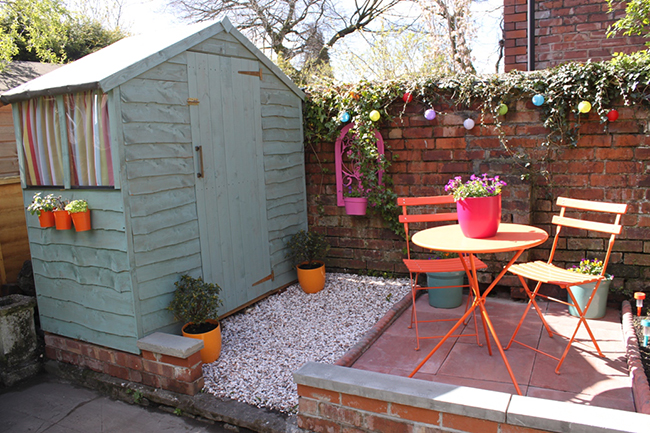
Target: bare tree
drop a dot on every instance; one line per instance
(299, 31)
(451, 26)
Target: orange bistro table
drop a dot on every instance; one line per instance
(449, 238)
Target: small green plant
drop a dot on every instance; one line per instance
(195, 301)
(42, 204)
(76, 206)
(307, 247)
(137, 395)
(178, 411)
(590, 267)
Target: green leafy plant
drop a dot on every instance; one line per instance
(623, 80)
(355, 189)
(195, 301)
(76, 206)
(309, 247)
(42, 204)
(590, 267)
(475, 187)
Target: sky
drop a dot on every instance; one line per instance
(141, 16)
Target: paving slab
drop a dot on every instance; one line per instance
(48, 404)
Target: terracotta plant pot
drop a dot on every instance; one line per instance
(211, 342)
(62, 220)
(355, 205)
(479, 217)
(46, 219)
(311, 280)
(81, 220)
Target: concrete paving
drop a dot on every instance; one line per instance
(48, 404)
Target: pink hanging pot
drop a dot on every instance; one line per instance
(355, 205)
(479, 217)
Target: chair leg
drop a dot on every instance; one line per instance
(531, 303)
(581, 320)
(414, 314)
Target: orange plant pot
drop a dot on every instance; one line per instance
(211, 342)
(62, 220)
(81, 220)
(46, 218)
(311, 280)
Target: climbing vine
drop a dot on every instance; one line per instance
(624, 79)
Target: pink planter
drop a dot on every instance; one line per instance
(479, 217)
(355, 205)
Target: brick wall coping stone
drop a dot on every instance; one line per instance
(170, 345)
(459, 400)
(496, 406)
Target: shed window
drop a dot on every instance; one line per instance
(86, 159)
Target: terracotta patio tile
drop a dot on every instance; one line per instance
(585, 377)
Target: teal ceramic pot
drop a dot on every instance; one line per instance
(598, 306)
(446, 298)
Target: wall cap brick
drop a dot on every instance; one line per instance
(556, 416)
(471, 402)
(168, 344)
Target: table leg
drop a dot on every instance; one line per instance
(479, 302)
(484, 314)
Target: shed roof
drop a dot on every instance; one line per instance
(125, 59)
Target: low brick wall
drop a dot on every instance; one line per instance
(182, 375)
(340, 399)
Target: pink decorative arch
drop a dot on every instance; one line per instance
(346, 174)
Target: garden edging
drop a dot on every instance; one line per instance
(640, 386)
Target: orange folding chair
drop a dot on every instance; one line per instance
(416, 267)
(547, 272)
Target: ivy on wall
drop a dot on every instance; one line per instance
(625, 79)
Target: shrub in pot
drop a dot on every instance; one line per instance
(307, 251)
(80, 214)
(62, 219)
(196, 303)
(598, 306)
(43, 207)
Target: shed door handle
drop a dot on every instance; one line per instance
(200, 150)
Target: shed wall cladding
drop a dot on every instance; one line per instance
(83, 279)
(160, 175)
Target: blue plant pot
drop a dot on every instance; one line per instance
(451, 297)
(598, 306)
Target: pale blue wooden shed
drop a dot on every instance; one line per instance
(188, 146)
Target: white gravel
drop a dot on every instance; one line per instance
(264, 344)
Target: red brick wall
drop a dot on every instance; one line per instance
(607, 165)
(322, 410)
(565, 30)
(182, 375)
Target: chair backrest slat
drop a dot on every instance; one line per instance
(614, 229)
(429, 217)
(619, 208)
(423, 201)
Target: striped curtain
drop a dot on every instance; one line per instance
(89, 141)
(41, 140)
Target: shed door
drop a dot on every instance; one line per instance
(230, 193)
